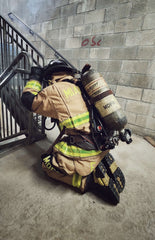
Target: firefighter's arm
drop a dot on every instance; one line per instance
(36, 99)
(32, 87)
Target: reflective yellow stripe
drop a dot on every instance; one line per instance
(33, 84)
(72, 151)
(92, 165)
(76, 181)
(75, 121)
(34, 93)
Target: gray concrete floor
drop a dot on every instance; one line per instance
(32, 207)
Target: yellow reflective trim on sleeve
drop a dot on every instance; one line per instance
(34, 85)
(75, 121)
(73, 151)
(76, 181)
(34, 93)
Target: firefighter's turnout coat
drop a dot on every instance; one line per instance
(63, 101)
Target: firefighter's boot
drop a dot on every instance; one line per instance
(114, 172)
(105, 185)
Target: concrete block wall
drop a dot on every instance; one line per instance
(117, 37)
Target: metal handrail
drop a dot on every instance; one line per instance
(12, 69)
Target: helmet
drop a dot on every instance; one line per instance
(57, 66)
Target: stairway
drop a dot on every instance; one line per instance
(17, 55)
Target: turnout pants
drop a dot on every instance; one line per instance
(74, 172)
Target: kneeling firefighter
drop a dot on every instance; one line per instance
(74, 159)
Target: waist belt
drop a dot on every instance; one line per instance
(83, 141)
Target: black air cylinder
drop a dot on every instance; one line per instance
(103, 99)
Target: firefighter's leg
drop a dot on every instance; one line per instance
(114, 172)
(104, 184)
(98, 179)
(74, 180)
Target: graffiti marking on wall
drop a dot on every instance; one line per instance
(91, 42)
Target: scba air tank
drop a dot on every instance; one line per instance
(103, 99)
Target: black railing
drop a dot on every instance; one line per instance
(17, 56)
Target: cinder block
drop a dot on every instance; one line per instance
(100, 53)
(129, 92)
(112, 77)
(136, 80)
(141, 130)
(140, 38)
(62, 44)
(146, 122)
(60, 23)
(134, 66)
(124, 79)
(67, 53)
(75, 62)
(127, 25)
(68, 10)
(113, 40)
(82, 53)
(123, 53)
(82, 30)
(118, 11)
(109, 66)
(56, 23)
(76, 20)
(149, 95)
(46, 26)
(94, 16)
(151, 69)
(86, 6)
(64, 22)
(149, 21)
(145, 52)
(52, 34)
(138, 7)
(103, 28)
(131, 117)
(52, 13)
(66, 32)
(137, 107)
(72, 43)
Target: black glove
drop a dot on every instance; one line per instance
(36, 73)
